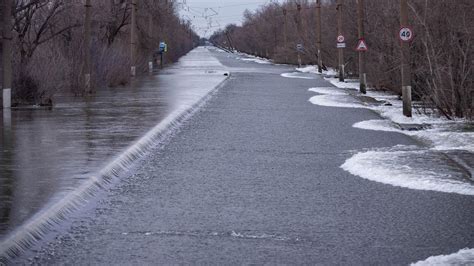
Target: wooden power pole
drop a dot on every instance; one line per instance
(285, 34)
(150, 33)
(7, 54)
(340, 32)
(405, 65)
(87, 47)
(318, 35)
(133, 40)
(360, 23)
(300, 39)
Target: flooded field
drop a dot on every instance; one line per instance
(49, 158)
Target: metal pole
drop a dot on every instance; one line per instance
(360, 23)
(150, 32)
(285, 34)
(7, 54)
(298, 7)
(340, 32)
(87, 47)
(318, 35)
(133, 39)
(161, 60)
(405, 65)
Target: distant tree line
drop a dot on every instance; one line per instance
(442, 56)
(49, 50)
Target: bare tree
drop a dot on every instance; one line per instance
(441, 53)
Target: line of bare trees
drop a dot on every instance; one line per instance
(442, 53)
(49, 50)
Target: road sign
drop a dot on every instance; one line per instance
(299, 47)
(361, 46)
(163, 47)
(340, 39)
(406, 34)
(341, 45)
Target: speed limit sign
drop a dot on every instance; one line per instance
(406, 34)
(340, 39)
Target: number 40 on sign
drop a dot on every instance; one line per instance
(406, 34)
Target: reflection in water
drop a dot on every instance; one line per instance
(47, 154)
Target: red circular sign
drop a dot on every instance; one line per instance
(406, 34)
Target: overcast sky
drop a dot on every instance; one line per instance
(208, 16)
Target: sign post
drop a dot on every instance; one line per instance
(362, 46)
(406, 36)
(340, 41)
(300, 49)
(162, 49)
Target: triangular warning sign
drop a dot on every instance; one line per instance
(361, 46)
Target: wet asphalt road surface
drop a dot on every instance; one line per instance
(255, 178)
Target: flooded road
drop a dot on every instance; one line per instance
(255, 177)
(46, 155)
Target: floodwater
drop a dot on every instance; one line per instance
(47, 155)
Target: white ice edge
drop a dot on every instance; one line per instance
(381, 166)
(295, 75)
(463, 257)
(437, 137)
(314, 70)
(256, 60)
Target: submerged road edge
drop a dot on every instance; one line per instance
(33, 230)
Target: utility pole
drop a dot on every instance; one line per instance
(232, 41)
(87, 47)
(360, 23)
(7, 54)
(231, 46)
(133, 40)
(150, 32)
(285, 34)
(405, 58)
(298, 7)
(340, 32)
(318, 35)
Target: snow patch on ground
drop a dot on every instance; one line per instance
(328, 91)
(252, 58)
(438, 138)
(441, 134)
(408, 167)
(257, 60)
(462, 257)
(335, 101)
(331, 97)
(314, 70)
(423, 168)
(377, 125)
(295, 75)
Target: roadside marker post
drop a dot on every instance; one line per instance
(300, 49)
(163, 49)
(361, 46)
(340, 40)
(406, 36)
